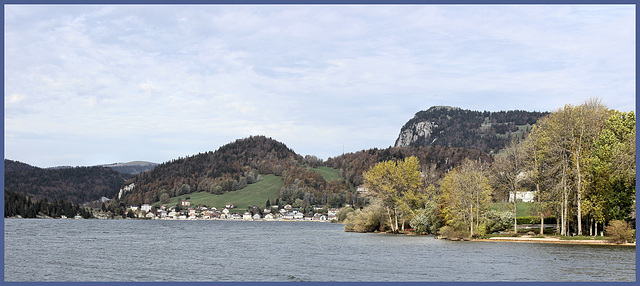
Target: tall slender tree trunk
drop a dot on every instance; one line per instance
(540, 210)
(579, 196)
(515, 212)
(395, 214)
(471, 214)
(390, 219)
(565, 221)
(478, 211)
(563, 208)
(579, 175)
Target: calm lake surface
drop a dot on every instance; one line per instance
(134, 250)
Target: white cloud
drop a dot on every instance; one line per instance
(186, 79)
(15, 98)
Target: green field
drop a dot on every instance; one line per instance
(524, 209)
(329, 174)
(254, 194)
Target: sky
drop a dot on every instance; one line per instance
(100, 84)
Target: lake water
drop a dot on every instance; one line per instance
(134, 250)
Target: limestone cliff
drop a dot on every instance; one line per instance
(415, 132)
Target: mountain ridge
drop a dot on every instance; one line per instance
(455, 127)
(76, 184)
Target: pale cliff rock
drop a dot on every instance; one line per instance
(416, 131)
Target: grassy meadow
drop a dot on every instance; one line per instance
(329, 174)
(524, 209)
(253, 194)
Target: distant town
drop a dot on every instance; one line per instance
(185, 211)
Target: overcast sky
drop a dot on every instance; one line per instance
(87, 85)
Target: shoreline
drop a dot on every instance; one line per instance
(176, 219)
(551, 240)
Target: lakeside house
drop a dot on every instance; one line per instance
(331, 214)
(146, 208)
(319, 217)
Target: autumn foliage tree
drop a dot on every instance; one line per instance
(509, 167)
(571, 147)
(466, 196)
(398, 185)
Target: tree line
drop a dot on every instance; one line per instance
(579, 161)
(16, 204)
(75, 184)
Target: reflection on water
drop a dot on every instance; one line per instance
(131, 250)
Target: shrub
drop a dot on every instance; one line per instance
(343, 212)
(453, 233)
(369, 219)
(536, 220)
(619, 232)
(481, 231)
(426, 220)
(528, 220)
(497, 221)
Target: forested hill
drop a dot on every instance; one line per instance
(455, 127)
(435, 160)
(229, 168)
(77, 185)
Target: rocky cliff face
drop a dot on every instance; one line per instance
(455, 127)
(415, 132)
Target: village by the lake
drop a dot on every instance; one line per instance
(185, 211)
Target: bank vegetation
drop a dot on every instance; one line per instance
(579, 161)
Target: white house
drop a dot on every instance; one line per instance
(298, 216)
(256, 217)
(318, 216)
(146, 207)
(332, 213)
(526, 197)
(268, 217)
(246, 216)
